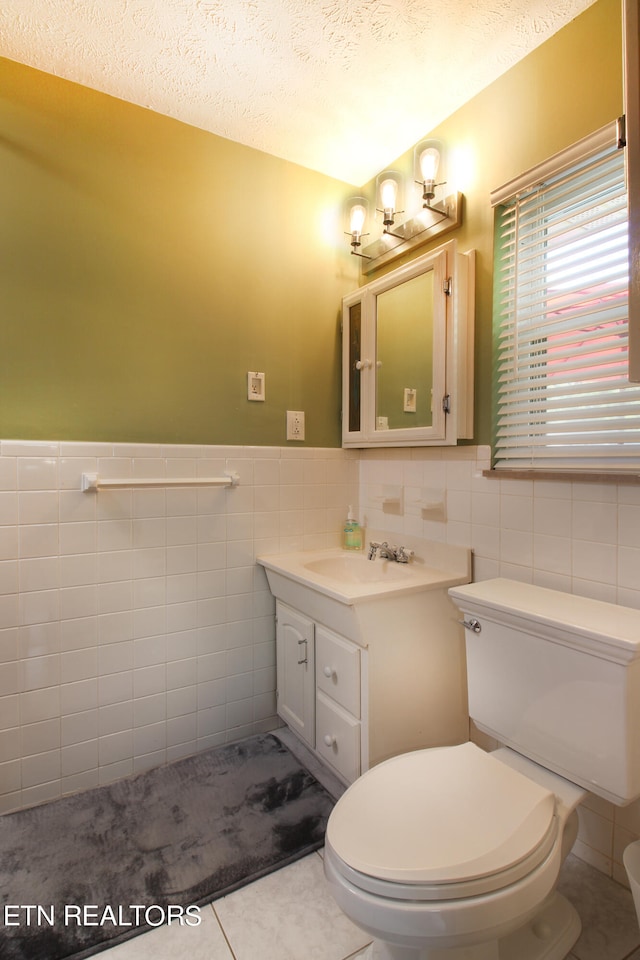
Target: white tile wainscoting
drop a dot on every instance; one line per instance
(136, 628)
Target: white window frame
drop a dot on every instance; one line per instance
(631, 30)
(545, 418)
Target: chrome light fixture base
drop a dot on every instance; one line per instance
(431, 221)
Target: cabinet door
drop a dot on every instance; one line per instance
(358, 351)
(295, 672)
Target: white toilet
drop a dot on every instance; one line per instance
(452, 853)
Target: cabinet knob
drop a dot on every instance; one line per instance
(329, 740)
(363, 364)
(328, 672)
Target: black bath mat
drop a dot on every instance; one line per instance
(88, 871)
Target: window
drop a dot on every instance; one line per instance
(563, 400)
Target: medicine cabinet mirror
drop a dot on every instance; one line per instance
(408, 354)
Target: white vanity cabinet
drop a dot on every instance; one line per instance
(370, 659)
(319, 689)
(356, 705)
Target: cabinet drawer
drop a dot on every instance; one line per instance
(338, 738)
(338, 670)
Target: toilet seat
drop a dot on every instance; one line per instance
(441, 823)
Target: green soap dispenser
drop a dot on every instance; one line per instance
(352, 533)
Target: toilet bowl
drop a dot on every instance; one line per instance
(469, 855)
(452, 853)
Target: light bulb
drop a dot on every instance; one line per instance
(358, 216)
(388, 192)
(429, 160)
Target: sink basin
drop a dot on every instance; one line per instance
(361, 599)
(358, 569)
(351, 578)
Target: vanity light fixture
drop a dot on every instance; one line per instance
(432, 217)
(356, 216)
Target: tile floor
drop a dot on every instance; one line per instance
(290, 914)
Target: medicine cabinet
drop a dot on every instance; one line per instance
(408, 354)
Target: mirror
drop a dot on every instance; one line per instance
(354, 329)
(404, 354)
(408, 354)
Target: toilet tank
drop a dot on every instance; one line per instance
(557, 678)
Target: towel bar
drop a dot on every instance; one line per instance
(91, 481)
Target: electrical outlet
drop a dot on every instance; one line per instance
(409, 400)
(255, 385)
(295, 424)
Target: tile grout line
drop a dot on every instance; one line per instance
(224, 932)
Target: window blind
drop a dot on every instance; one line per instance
(561, 310)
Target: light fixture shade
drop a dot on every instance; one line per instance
(357, 215)
(429, 163)
(389, 199)
(428, 168)
(356, 212)
(388, 193)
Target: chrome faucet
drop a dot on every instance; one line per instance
(389, 552)
(373, 549)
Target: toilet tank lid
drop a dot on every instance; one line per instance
(604, 629)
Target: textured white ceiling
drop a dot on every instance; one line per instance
(340, 86)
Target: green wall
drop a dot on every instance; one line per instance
(146, 266)
(565, 89)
